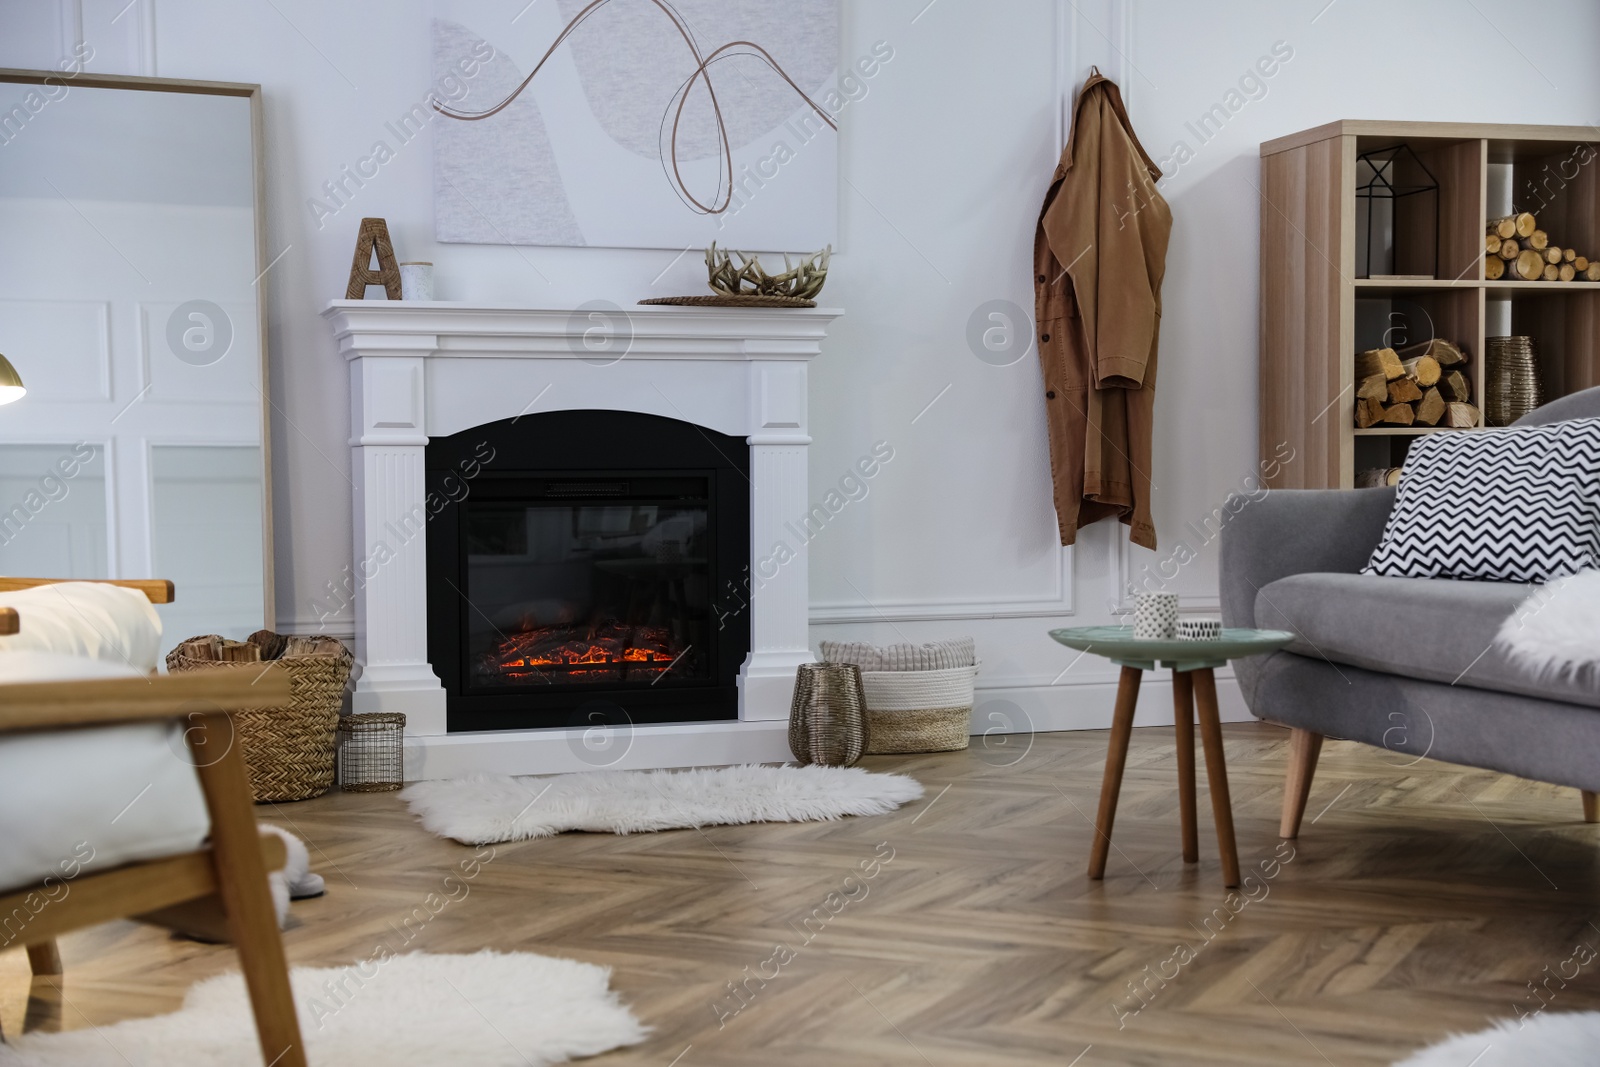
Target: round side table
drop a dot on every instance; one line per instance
(1192, 687)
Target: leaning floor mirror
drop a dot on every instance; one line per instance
(131, 317)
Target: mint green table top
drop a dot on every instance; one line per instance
(1118, 644)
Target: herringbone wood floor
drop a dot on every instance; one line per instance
(1423, 900)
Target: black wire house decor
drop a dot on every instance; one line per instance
(1397, 215)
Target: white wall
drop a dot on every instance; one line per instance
(943, 165)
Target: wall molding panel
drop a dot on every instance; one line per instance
(121, 32)
(1056, 603)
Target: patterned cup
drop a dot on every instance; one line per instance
(1156, 616)
(1203, 628)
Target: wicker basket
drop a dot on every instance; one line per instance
(288, 750)
(1512, 388)
(918, 711)
(828, 720)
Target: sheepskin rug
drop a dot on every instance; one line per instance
(1556, 631)
(489, 1009)
(485, 809)
(1565, 1039)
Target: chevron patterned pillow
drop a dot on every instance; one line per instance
(1520, 504)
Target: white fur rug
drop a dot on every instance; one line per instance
(1556, 631)
(489, 1009)
(485, 808)
(1565, 1039)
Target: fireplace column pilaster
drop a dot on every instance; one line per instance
(390, 531)
(779, 583)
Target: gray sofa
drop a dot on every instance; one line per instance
(1406, 664)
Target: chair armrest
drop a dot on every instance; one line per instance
(10, 622)
(157, 590)
(107, 701)
(1296, 531)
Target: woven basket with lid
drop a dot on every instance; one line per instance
(288, 750)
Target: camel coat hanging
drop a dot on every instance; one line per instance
(1099, 254)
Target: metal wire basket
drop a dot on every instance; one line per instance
(372, 756)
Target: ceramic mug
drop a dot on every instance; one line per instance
(1203, 628)
(1155, 616)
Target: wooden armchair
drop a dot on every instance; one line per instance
(157, 590)
(82, 635)
(231, 867)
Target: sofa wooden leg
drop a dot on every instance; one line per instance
(1591, 806)
(45, 958)
(43, 1015)
(1304, 748)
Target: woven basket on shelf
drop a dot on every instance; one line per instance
(288, 750)
(918, 711)
(1512, 387)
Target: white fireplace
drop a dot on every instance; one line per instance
(421, 370)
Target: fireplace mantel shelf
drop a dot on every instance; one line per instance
(448, 328)
(423, 370)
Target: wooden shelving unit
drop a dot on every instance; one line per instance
(1316, 313)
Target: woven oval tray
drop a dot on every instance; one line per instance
(720, 300)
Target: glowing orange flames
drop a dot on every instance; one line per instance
(606, 652)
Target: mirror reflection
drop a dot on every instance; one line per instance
(129, 319)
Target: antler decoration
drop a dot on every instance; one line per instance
(803, 281)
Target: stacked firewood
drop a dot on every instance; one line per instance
(1377, 477)
(1514, 248)
(1424, 384)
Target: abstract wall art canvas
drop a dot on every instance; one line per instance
(636, 123)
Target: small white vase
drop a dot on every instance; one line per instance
(416, 281)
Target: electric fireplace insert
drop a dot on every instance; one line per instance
(579, 571)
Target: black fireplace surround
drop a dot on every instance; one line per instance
(574, 581)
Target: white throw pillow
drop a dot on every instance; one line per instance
(1520, 504)
(90, 619)
(933, 656)
(91, 799)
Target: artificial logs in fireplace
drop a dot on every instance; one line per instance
(605, 650)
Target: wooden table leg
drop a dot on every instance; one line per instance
(1116, 757)
(1183, 719)
(1205, 693)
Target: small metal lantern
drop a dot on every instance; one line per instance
(828, 720)
(372, 752)
(1397, 214)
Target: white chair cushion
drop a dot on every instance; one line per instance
(105, 622)
(76, 801)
